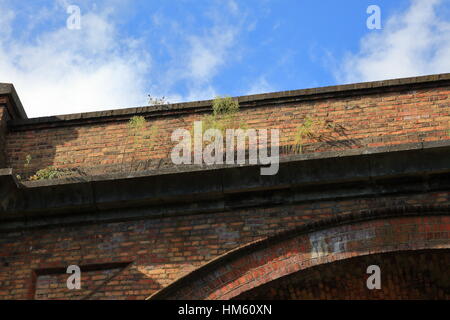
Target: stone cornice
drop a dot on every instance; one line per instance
(401, 169)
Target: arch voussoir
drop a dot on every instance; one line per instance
(366, 233)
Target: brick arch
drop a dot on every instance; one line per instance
(318, 243)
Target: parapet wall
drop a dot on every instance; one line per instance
(411, 110)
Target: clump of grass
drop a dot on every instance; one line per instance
(225, 106)
(136, 123)
(224, 115)
(307, 130)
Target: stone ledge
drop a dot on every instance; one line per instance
(186, 193)
(177, 169)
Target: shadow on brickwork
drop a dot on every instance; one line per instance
(404, 275)
(32, 149)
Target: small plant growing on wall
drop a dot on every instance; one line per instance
(27, 161)
(307, 130)
(155, 101)
(137, 127)
(224, 115)
(225, 106)
(136, 123)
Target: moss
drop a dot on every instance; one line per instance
(50, 173)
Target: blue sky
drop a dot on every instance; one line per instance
(196, 49)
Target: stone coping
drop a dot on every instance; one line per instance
(248, 101)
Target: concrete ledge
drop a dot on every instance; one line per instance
(119, 198)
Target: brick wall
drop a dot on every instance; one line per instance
(108, 145)
(52, 284)
(159, 251)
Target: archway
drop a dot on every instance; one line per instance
(414, 274)
(318, 244)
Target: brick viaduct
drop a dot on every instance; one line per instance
(370, 187)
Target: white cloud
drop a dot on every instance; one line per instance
(261, 85)
(199, 55)
(5, 23)
(413, 43)
(70, 71)
(204, 92)
(208, 53)
(233, 7)
(66, 71)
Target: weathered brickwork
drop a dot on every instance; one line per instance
(221, 232)
(162, 250)
(354, 122)
(404, 275)
(263, 262)
(53, 284)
